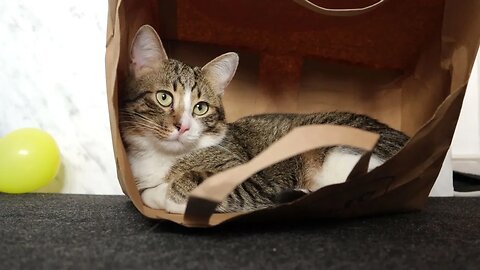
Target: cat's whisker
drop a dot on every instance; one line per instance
(143, 121)
(147, 120)
(149, 128)
(134, 114)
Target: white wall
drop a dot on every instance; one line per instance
(466, 142)
(52, 77)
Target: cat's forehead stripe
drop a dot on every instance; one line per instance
(182, 76)
(195, 88)
(176, 68)
(199, 93)
(175, 86)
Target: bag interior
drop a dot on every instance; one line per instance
(295, 60)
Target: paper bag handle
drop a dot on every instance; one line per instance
(204, 199)
(336, 11)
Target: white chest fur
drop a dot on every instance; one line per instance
(149, 165)
(150, 168)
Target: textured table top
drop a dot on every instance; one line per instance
(46, 231)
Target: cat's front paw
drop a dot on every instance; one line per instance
(155, 197)
(175, 208)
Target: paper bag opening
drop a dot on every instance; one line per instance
(405, 63)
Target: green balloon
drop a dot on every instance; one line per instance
(29, 160)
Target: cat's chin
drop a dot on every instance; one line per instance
(175, 147)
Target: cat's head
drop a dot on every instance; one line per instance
(169, 104)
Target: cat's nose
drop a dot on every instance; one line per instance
(182, 128)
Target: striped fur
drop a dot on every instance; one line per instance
(167, 165)
(249, 136)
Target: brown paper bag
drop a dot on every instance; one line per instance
(405, 63)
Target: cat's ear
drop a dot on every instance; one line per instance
(219, 72)
(146, 52)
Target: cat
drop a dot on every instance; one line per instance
(172, 121)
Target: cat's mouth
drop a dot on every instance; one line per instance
(186, 140)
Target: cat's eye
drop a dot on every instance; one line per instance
(200, 108)
(164, 98)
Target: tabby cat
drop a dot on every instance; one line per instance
(173, 124)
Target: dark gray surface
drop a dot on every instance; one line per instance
(466, 182)
(91, 232)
